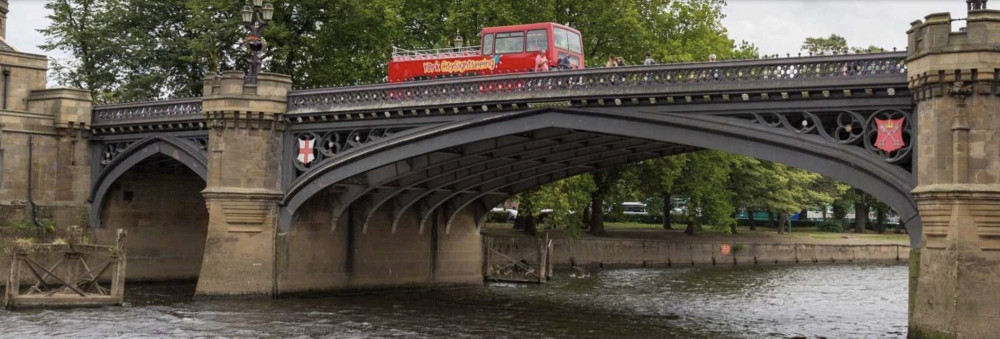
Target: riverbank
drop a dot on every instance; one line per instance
(744, 235)
(637, 247)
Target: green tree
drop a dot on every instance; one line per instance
(567, 198)
(76, 26)
(147, 49)
(820, 45)
(835, 44)
(863, 202)
(869, 49)
(777, 188)
(704, 184)
(750, 181)
(604, 182)
(657, 179)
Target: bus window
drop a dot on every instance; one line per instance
(538, 40)
(488, 44)
(574, 42)
(566, 40)
(512, 42)
(559, 38)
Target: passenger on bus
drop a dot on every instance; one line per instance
(541, 62)
(563, 63)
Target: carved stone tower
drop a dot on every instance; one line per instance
(243, 186)
(3, 18)
(954, 77)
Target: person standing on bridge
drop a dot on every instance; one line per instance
(542, 62)
(612, 61)
(649, 60)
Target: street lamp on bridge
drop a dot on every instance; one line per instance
(256, 16)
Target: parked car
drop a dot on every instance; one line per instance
(634, 208)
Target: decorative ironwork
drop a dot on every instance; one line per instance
(557, 84)
(331, 143)
(112, 150)
(178, 109)
(201, 142)
(480, 93)
(846, 128)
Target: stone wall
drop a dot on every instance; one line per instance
(661, 253)
(56, 122)
(159, 203)
(27, 74)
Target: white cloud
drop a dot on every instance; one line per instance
(780, 26)
(23, 21)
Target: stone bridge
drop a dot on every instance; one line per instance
(402, 175)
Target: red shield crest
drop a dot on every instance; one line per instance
(890, 134)
(306, 153)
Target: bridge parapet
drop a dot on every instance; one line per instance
(733, 79)
(727, 81)
(184, 113)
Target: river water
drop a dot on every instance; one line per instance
(835, 301)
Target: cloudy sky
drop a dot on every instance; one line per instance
(776, 26)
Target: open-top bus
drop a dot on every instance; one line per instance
(504, 49)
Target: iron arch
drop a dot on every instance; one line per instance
(182, 151)
(853, 165)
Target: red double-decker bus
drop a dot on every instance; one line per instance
(504, 49)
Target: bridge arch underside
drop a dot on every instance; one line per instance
(158, 200)
(407, 209)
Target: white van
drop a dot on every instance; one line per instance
(634, 208)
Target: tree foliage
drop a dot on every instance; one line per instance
(146, 49)
(567, 198)
(835, 44)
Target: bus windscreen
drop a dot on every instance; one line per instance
(566, 40)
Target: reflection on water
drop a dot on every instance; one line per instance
(780, 302)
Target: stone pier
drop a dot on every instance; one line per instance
(954, 77)
(243, 189)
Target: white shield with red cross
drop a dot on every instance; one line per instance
(306, 151)
(890, 134)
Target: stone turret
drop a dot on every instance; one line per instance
(243, 187)
(954, 78)
(3, 18)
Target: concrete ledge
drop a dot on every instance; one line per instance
(618, 252)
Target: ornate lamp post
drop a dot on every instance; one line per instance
(256, 16)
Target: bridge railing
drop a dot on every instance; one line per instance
(149, 111)
(553, 85)
(493, 88)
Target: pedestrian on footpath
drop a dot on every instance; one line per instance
(649, 60)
